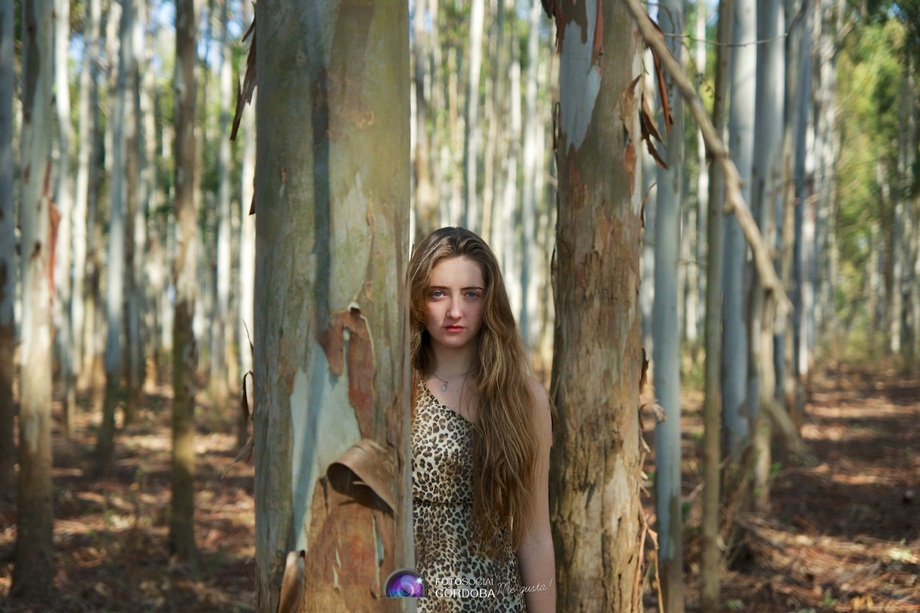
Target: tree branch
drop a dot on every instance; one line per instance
(734, 201)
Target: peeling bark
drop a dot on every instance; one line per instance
(330, 312)
(594, 475)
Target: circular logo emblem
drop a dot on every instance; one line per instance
(405, 583)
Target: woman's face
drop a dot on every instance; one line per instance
(455, 298)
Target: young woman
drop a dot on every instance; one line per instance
(481, 437)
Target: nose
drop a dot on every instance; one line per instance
(454, 310)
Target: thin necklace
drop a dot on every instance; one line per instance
(444, 387)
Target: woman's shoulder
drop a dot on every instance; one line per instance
(539, 392)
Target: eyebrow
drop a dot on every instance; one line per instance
(445, 287)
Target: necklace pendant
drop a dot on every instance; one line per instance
(444, 388)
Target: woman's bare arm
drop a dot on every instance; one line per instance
(535, 553)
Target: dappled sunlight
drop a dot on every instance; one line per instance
(844, 530)
(110, 534)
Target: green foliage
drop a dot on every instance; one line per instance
(734, 604)
(870, 68)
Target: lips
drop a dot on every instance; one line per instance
(454, 328)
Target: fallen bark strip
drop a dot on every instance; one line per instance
(735, 202)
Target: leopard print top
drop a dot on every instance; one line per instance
(457, 580)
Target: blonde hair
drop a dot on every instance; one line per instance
(504, 443)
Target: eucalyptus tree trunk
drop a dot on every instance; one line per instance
(898, 238)
(741, 144)
(702, 190)
(688, 270)
(134, 235)
(498, 129)
(783, 343)
(204, 205)
(472, 214)
(33, 558)
(95, 337)
(86, 135)
(148, 202)
(509, 244)
(710, 554)
(247, 243)
(764, 198)
(666, 330)
(650, 196)
(184, 351)
(812, 199)
(331, 371)
(824, 143)
(64, 200)
(425, 198)
(115, 271)
(531, 168)
(911, 344)
(873, 282)
(437, 93)
(222, 338)
(799, 261)
(594, 474)
(8, 274)
(494, 115)
(456, 213)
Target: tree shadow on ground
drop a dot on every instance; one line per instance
(110, 534)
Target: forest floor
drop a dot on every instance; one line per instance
(110, 534)
(843, 534)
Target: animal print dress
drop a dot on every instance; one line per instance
(457, 580)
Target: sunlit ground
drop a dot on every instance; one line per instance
(843, 534)
(110, 535)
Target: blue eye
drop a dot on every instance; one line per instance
(435, 292)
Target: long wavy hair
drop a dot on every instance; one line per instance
(504, 443)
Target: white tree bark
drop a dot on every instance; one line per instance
(472, 214)
(666, 332)
(87, 128)
(149, 272)
(801, 297)
(765, 188)
(134, 217)
(222, 337)
(64, 201)
(527, 318)
(702, 189)
(115, 271)
(33, 559)
(509, 244)
(741, 145)
(650, 195)
(247, 238)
